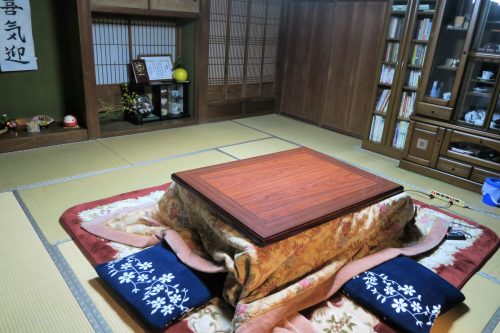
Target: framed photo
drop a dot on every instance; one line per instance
(159, 67)
(140, 71)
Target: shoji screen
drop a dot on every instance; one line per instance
(243, 40)
(117, 41)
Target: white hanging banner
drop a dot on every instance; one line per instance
(17, 51)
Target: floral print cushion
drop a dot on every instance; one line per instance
(404, 292)
(155, 284)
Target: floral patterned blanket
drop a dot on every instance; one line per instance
(258, 278)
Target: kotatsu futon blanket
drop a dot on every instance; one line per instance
(260, 279)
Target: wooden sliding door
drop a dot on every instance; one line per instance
(330, 61)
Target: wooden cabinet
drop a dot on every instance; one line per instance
(460, 96)
(409, 27)
(460, 156)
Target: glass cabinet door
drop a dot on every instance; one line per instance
(477, 92)
(390, 62)
(455, 24)
(494, 122)
(487, 36)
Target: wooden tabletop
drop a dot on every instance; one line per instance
(272, 197)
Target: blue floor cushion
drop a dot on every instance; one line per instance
(405, 293)
(155, 284)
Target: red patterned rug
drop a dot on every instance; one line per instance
(455, 263)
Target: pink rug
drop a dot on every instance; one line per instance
(458, 264)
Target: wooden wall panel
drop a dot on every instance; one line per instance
(299, 33)
(329, 64)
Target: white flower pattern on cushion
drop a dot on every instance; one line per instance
(403, 300)
(158, 294)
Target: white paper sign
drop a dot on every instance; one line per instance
(17, 50)
(159, 67)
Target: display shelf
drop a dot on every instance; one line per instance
(53, 135)
(110, 128)
(410, 88)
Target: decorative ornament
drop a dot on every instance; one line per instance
(180, 75)
(70, 121)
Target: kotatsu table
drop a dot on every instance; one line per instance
(272, 197)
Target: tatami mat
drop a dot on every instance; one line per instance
(47, 203)
(257, 148)
(158, 144)
(481, 301)
(304, 134)
(117, 319)
(34, 296)
(45, 164)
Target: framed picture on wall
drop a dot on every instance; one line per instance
(159, 67)
(140, 71)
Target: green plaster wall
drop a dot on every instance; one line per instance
(54, 89)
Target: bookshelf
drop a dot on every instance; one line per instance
(408, 31)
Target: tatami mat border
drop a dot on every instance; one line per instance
(89, 309)
(492, 323)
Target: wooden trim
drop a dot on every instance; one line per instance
(245, 55)
(450, 179)
(172, 15)
(281, 53)
(437, 146)
(91, 119)
(409, 138)
(228, 41)
(201, 47)
(262, 54)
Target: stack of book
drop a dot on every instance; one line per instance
(407, 104)
(387, 74)
(399, 138)
(424, 29)
(391, 52)
(383, 101)
(377, 128)
(394, 27)
(418, 55)
(414, 78)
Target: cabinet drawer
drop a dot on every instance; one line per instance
(457, 136)
(190, 6)
(433, 111)
(140, 4)
(454, 167)
(479, 174)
